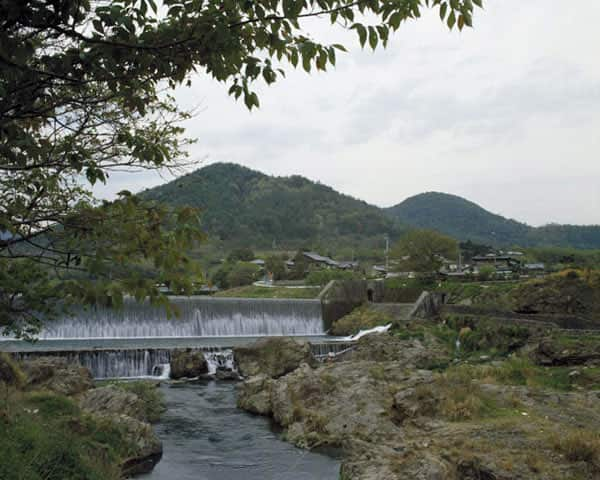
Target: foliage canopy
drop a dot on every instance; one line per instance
(424, 250)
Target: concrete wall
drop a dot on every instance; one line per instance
(340, 297)
(428, 305)
(375, 291)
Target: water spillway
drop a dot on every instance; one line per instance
(199, 316)
(135, 363)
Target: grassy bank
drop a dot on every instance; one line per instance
(252, 291)
(45, 436)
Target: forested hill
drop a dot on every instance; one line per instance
(466, 220)
(243, 206)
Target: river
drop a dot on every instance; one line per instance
(205, 437)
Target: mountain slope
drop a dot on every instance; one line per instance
(240, 205)
(466, 220)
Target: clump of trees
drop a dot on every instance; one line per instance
(275, 265)
(235, 274)
(424, 251)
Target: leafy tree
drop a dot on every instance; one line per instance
(243, 254)
(84, 91)
(220, 277)
(486, 272)
(242, 273)
(276, 266)
(470, 249)
(300, 268)
(424, 250)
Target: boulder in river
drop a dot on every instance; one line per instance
(254, 395)
(125, 410)
(273, 357)
(188, 363)
(146, 447)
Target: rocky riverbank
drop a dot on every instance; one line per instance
(410, 405)
(57, 424)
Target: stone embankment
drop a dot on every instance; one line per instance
(407, 405)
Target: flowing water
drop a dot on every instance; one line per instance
(139, 363)
(199, 316)
(205, 437)
(129, 358)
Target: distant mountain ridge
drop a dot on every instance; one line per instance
(244, 206)
(465, 220)
(240, 205)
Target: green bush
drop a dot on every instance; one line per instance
(10, 373)
(482, 335)
(406, 290)
(361, 318)
(150, 394)
(323, 277)
(48, 438)
(242, 274)
(52, 405)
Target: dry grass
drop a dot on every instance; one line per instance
(579, 446)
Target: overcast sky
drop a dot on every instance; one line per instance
(506, 114)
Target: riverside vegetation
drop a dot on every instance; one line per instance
(455, 397)
(55, 424)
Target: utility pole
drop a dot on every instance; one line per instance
(387, 251)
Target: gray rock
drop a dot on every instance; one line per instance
(146, 447)
(273, 357)
(57, 375)
(126, 410)
(188, 363)
(254, 395)
(112, 400)
(227, 374)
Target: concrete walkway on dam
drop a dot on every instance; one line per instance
(93, 344)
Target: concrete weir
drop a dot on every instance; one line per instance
(130, 358)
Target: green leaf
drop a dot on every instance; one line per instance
(395, 20)
(306, 61)
(294, 57)
(362, 33)
(331, 52)
(443, 10)
(373, 37)
(451, 20)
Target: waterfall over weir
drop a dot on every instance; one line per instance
(137, 363)
(154, 362)
(199, 316)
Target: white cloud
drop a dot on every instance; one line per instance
(506, 114)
